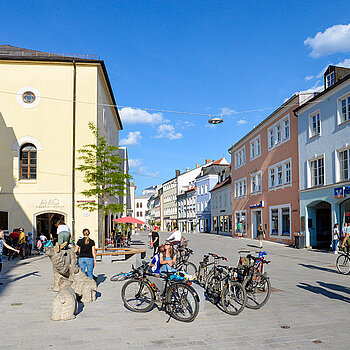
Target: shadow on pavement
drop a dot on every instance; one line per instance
(323, 291)
(101, 278)
(336, 287)
(315, 267)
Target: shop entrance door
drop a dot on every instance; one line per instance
(323, 225)
(45, 224)
(256, 222)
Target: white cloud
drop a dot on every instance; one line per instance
(139, 116)
(167, 131)
(132, 139)
(309, 77)
(227, 111)
(333, 39)
(135, 163)
(345, 63)
(242, 121)
(144, 171)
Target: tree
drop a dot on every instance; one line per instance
(102, 172)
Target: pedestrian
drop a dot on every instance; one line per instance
(30, 243)
(343, 231)
(22, 242)
(260, 235)
(168, 259)
(39, 246)
(43, 238)
(239, 228)
(13, 241)
(2, 245)
(175, 237)
(87, 253)
(335, 238)
(155, 239)
(64, 235)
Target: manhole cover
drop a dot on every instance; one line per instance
(16, 304)
(317, 341)
(285, 327)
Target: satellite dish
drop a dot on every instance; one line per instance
(215, 120)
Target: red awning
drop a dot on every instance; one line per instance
(129, 220)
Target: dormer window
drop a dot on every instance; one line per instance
(330, 79)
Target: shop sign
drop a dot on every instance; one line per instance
(50, 203)
(259, 205)
(340, 192)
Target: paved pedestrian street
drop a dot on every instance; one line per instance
(308, 308)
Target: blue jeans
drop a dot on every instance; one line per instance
(87, 266)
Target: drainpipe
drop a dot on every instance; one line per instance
(73, 146)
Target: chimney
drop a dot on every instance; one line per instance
(197, 165)
(177, 173)
(187, 169)
(207, 161)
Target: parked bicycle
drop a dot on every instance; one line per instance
(182, 263)
(178, 298)
(204, 267)
(122, 276)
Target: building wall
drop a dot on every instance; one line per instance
(49, 126)
(170, 204)
(317, 202)
(221, 209)
(267, 199)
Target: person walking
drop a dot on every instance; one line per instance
(87, 253)
(2, 245)
(30, 244)
(335, 238)
(260, 235)
(155, 239)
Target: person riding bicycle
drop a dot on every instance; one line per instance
(175, 237)
(346, 241)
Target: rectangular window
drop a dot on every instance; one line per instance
(271, 138)
(272, 178)
(240, 221)
(345, 109)
(240, 188)
(288, 177)
(315, 125)
(330, 79)
(255, 148)
(279, 175)
(344, 165)
(206, 189)
(274, 221)
(286, 129)
(278, 133)
(285, 221)
(240, 157)
(317, 172)
(255, 180)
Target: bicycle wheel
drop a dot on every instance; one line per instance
(182, 302)
(213, 286)
(120, 276)
(137, 296)
(233, 298)
(343, 264)
(258, 289)
(189, 268)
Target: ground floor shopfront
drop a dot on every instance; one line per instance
(39, 213)
(187, 225)
(203, 223)
(280, 220)
(221, 224)
(320, 209)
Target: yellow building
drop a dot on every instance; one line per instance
(46, 103)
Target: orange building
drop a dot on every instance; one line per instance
(265, 177)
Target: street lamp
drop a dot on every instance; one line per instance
(215, 120)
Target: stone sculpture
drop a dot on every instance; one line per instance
(69, 278)
(64, 305)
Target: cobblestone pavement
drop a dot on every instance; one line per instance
(310, 298)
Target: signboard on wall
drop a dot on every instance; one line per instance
(340, 192)
(258, 205)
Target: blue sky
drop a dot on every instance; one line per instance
(206, 57)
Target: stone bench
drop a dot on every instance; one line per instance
(110, 254)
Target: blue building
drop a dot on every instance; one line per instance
(205, 182)
(324, 158)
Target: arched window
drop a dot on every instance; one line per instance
(28, 162)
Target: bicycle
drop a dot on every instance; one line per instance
(255, 282)
(122, 276)
(343, 262)
(178, 298)
(182, 263)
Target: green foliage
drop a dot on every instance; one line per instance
(102, 172)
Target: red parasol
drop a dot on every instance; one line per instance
(129, 220)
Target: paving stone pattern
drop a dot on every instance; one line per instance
(310, 301)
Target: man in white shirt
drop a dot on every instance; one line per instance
(175, 238)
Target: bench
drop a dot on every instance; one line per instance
(111, 253)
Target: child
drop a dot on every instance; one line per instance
(335, 238)
(155, 263)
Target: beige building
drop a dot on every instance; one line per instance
(46, 103)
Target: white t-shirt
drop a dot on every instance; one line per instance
(176, 236)
(63, 228)
(43, 238)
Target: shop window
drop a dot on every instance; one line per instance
(4, 223)
(280, 220)
(240, 221)
(274, 221)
